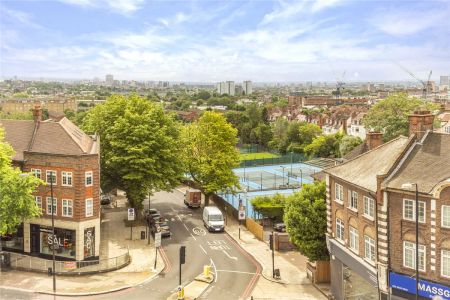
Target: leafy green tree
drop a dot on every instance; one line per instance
(16, 192)
(324, 146)
(205, 95)
(306, 221)
(280, 140)
(140, 146)
(270, 206)
(17, 115)
(263, 134)
(348, 143)
(210, 153)
(390, 115)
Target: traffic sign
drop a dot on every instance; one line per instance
(158, 239)
(131, 214)
(241, 213)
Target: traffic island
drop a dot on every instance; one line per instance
(191, 291)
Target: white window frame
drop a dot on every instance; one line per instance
(67, 176)
(47, 173)
(353, 200)
(353, 239)
(67, 208)
(443, 207)
(367, 201)
(340, 228)
(445, 252)
(89, 174)
(422, 217)
(411, 246)
(339, 193)
(369, 255)
(35, 172)
(55, 205)
(38, 200)
(89, 207)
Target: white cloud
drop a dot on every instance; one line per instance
(322, 4)
(118, 6)
(21, 17)
(410, 22)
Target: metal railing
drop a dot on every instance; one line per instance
(36, 264)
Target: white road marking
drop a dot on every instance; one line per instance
(215, 269)
(232, 257)
(192, 236)
(232, 271)
(203, 249)
(199, 231)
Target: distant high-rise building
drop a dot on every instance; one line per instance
(239, 90)
(109, 80)
(445, 80)
(247, 87)
(226, 87)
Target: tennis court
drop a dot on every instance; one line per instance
(268, 180)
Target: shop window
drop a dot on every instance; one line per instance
(63, 242)
(13, 241)
(66, 178)
(89, 242)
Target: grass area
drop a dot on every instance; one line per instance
(258, 155)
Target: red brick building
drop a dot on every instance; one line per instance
(371, 217)
(60, 148)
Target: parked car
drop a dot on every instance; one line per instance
(147, 214)
(105, 199)
(161, 226)
(280, 227)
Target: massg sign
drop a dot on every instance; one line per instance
(426, 288)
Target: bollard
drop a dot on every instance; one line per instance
(180, 293)
(206, 270)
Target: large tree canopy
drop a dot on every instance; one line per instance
(390, 115)
(210, 153)
(306, 221)
(140, 146)
(16, 192)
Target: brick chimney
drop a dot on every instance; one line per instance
(420, 122)
(37, 113)
(374, 139)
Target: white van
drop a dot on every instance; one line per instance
(213, 219)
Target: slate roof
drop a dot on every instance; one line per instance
(51, 137)
(363, 169)
(427, 164)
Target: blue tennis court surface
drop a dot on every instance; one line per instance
(268, 180)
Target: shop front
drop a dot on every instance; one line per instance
(404, 287)
(351, 276)
(13, 242)
(63, 242)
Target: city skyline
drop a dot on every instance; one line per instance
(262, 41)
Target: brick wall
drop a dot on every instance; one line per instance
(78, 192)
(356, 219)
(431, 234)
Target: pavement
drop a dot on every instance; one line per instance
(293, 284)
(115, 241)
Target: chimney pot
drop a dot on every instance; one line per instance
(374, 139)
(420, 122)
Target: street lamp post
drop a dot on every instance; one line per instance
(409, 186)
(53, 231)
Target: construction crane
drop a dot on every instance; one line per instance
(425, 85)
(340, 85)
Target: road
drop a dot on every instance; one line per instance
(236, 272)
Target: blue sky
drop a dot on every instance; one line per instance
(225, 40)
